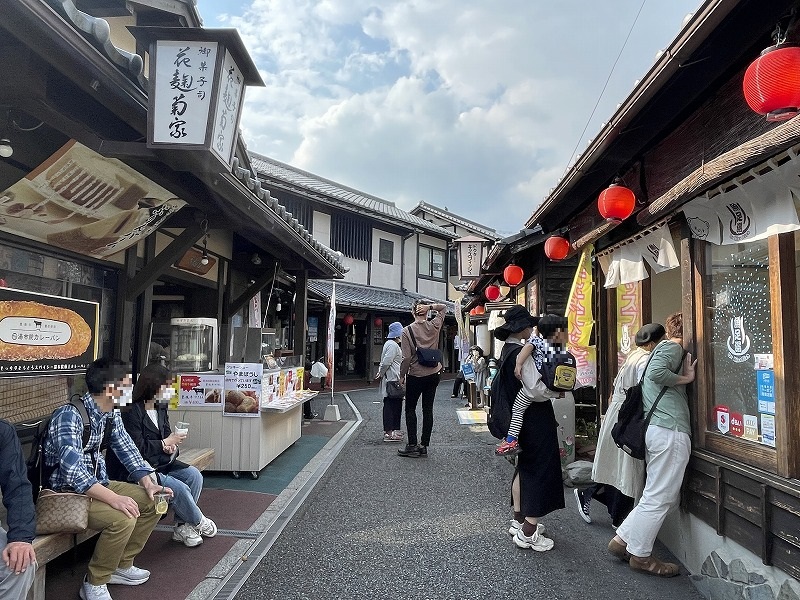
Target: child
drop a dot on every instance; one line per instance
(547, 347)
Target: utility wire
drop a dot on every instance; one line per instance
(605, 85)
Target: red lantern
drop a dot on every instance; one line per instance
(556, 248)
(348, 319)
(492, 293)
(378, 321)
(479, 310)
(472, 312)
(772, 83)
(616, 203)
(513, 275)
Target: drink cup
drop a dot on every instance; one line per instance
(182, 427)
(162, 502)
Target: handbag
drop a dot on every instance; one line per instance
(395, 390)
(427, 357)
(61, 512)
(631, 427)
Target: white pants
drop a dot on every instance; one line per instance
(667, 456)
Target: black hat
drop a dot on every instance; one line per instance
(549, 323)
(652, 332)
(517, 319)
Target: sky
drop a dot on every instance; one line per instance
(477, 106)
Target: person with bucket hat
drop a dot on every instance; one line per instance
(389, 370)
(618, 477)
(536, 487)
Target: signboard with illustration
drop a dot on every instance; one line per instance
(46, 335)
(242, 389)
(629, 318)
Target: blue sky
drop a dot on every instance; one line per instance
(472, 105)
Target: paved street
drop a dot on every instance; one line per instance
(378, 525)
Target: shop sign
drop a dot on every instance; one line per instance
(200, 390)
(83, 202)
(242, 388)
(46, 335)
(629, 318)
(738, 341)
(471, 254)
(766, 391)
(737, 424)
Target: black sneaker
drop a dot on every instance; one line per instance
(583, 505)
(423, 451)
(411, 450)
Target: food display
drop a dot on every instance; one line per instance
(34, 331)
(238, 401)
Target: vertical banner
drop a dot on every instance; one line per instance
(329, 341)
(581, 321)
(629, 318)
(254, 312)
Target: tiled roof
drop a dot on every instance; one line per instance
(364, 296)
(457, 220)
(335, 192)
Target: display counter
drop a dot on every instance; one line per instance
(245, 440)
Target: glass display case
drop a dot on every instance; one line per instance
(193, 344)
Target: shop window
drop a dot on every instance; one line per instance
(386, 251)
(453, 262)
(431, 262)
(739, 343)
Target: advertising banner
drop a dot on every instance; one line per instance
(46, 335)
(201, 389)
(242, 389)
(629, 318)
(581, 320)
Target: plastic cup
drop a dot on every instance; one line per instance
(181, 427)
(162, 502)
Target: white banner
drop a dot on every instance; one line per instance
(329, 341)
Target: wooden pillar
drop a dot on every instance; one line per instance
(300, 314)
(125, 310)
(144, 313)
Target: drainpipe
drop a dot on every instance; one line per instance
(403, 260)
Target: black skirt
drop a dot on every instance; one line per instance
(539, 463)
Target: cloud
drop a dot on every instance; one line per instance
(473, 105)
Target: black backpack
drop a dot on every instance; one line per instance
(499, 418)
(38, 472)
(559, 370)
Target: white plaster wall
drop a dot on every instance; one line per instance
(358, 272)
(321, 228)
(483, 338)
(432, 289)
(386, 275)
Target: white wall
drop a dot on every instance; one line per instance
(359, 270)
(385, 275)
(321, 228)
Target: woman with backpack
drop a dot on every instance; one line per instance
(419, 371)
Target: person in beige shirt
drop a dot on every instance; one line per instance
(420, 380)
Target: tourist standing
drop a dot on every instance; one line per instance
(389, 370)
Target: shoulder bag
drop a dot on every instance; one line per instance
(395, 390)
(427, 357)
(631, 427)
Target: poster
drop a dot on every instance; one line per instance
(84, 202)
(242, 389)
(629, 318)
(533, 296)
(269, 387)
(201, 389)
(46, 335)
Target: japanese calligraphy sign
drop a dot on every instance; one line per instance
(226, 119)
(470, 256)
(45, 335)
(184, 75)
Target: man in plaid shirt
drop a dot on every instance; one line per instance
(124, 513)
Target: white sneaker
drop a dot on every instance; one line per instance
(94, 592)
(188, 535)
(515, 525)
(535, 542)
(207, 528)
(130, 576)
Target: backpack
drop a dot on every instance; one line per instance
(559, 370)
(499, 418)
(38, 472)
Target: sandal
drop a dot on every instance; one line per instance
(618, 550)
(653, 566)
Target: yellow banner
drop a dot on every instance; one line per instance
(581, 320)
(629, 318)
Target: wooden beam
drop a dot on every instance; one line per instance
(144, 312)
(301, 314)
(163, 261)
(124, 317)
(258, 284)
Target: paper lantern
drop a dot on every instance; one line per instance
(378, 321)
(772, 83)
(492, 293)
(513, 275)
(472, 312)
(348, 319)
(616, 203)
(479, 310)
(556, 248)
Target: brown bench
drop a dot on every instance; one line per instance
(51, 546)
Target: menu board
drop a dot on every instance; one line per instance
(200, 389)
(242, 389)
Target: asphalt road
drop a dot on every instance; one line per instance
(382, 526)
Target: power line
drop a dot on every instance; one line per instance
(605, 85)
